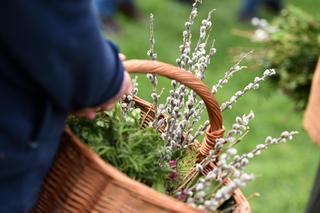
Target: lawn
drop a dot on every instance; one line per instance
(284, 173)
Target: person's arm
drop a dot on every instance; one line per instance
(59, 48)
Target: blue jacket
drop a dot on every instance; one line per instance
(53, 60)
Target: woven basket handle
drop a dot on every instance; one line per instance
(186, 78)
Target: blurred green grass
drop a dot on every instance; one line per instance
(285, 173)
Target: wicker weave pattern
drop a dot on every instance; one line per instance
(80, 181)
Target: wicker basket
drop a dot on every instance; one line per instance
(79, 181)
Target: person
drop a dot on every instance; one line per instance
(313, 205)
(249, 8)
(188, 2)
(311, 124)
(53, 61)
(107, 9)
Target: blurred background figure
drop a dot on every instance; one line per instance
(187, 1)
(311, 124)
(250, 8)
(107, 9)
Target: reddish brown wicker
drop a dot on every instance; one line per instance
(79, 181)
(311, 120)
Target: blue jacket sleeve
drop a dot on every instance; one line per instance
(58, 47)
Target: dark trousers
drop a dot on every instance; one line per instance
(314, 200)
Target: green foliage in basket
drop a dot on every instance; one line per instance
(187, 160)
(292, 47)
(121, 142)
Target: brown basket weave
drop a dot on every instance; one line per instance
(79, 181)
(311, 121)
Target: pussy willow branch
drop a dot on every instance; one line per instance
(176, 97)
(242, 161)
(198, 65)
(251, 86)
(153, 79)
(230, 73)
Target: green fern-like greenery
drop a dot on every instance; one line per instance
(187, 160)
(119, 140)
